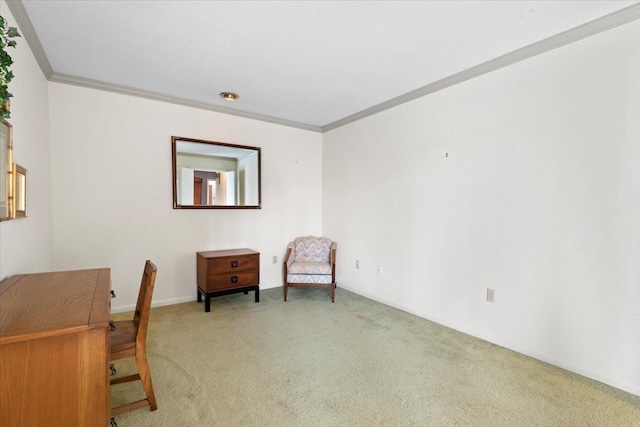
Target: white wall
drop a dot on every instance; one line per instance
(26, 244)
(112, 190)
(248, 173)
(538, 199)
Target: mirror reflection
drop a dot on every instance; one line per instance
(215, 175)
(21, 191)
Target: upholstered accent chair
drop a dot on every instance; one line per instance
(310, 262)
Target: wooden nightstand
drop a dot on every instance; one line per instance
(227, 272)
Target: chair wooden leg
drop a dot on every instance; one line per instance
(333, 292)
(145, 377)
(285, 288)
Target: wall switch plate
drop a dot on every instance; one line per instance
(275, 259)
(357, 264)
(379, 270)
(491, 295)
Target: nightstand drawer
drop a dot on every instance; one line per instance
(232, 264)
(238, 279)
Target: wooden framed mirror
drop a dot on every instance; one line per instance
(215, 175)
(20, 191)
(6, 171)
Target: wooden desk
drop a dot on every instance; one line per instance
(227, 272)
(54, 349)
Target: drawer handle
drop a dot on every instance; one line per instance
(113, 294)
(234, 279)
(234, 264)
(112, 326)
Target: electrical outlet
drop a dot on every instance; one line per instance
(379, 270)
(491, 295)
(275, 259)
(357, 264)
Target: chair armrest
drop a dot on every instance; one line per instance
(289, 255)
(287, 261)
(334, 248)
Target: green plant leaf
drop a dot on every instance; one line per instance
(6, 75)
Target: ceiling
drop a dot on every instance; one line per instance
(309, 64)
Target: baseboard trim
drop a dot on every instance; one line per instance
(613, 382)
(155, 303)
(171, 301)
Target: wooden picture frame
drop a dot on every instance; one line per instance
(215, 175)
(20, 191)
(6, 171)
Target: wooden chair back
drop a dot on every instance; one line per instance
(129, 339)
(143, 306)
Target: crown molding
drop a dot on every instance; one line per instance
(29, 33)
(126, 90)
(583, 31)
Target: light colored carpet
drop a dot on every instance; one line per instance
(308, 362)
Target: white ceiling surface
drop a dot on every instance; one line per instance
(310, 62)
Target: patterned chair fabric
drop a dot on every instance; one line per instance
(309, 278)
(312, 249)
(310, 263)
(314, 268)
